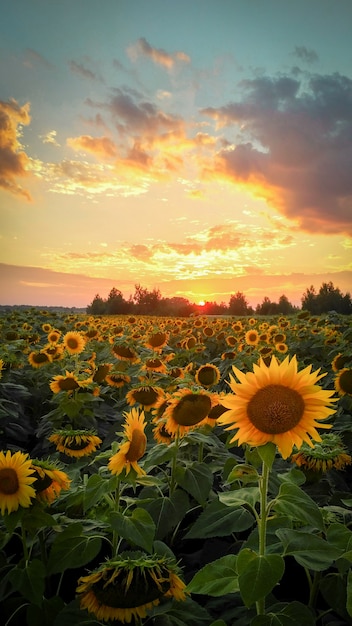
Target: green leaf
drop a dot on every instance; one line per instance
(341, 538)
(243, 473)
(197, 480)
(219, 520)
(258, 575)
(94, 490)
(267, 453)
(168, 512)
(246, 495)
(157, 455)
(333, 589)
(217, 578)
(71, 549)
(294, 502)
(46, 614)
(292, 614)
(29, 580)
(35, 518)
(138, 529)
(308, 549)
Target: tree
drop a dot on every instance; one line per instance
(147, 302)
(116, 304)
(329, 298)
(284, 305)
(97, 306)
(238, 305)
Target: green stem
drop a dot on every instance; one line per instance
(24, 544)
(115, 537)
(262, 522)
(174, 463)
(314, 588)
(200, 452)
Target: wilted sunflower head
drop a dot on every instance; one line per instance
(277, 403)
(329, 453)
(75, 443)
(126, 587)
(16, 481)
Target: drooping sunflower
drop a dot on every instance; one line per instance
(343, 382)
(155, 365)
(277, 403)
(133, 448)
(69, 383)
(207, 375)
(75, 443)
(117, 380)
(125, 353)
(16, 481)
(188, 409)
(329, 453)
(38, 359)
(145, 395)
(101, 372)
(126, 587)
(74, 342)
(50, 479)
(156, 341)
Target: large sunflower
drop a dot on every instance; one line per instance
(74, 342)
(133, 448)
(15, 481)
(126, 587)
(277, 403)
(68, 383)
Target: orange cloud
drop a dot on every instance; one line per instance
(158, 56)
(102, 147)
(13, 160)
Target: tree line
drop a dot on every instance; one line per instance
(151, 302)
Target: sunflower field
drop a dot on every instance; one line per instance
(175, 471)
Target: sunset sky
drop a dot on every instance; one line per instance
(201, 147)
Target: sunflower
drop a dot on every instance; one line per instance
(46, 327)
(2, 365)
(329, 454)
(146, 396)
(277, 403)
(340, 361)
(101, 372)
(117, 380)
(281, 347)
(38, 359)
(74, 342)
(54, 351)
(69, 383)
(50, 480)
(161, 434)
(15, 481)
(207, 375)
(343, 382)
(126, 587)
(188, 409)
(54, 336)
(75, 443)
(252, 337)
(125, 353)
(157, 341)
(133, 448)
(155, 365)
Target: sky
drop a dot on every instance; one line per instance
(198, 147)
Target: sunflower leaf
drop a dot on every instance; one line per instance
(217, 578)
(294, 502)
(197, 480)
(219, 520)
(71, 549)
(258, 575)
(309, 550)
(29, 581)
(138, 529)
(267, 453)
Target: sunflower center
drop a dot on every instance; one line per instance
(207, 375)
(8, 481)
(275, 409)
(72, 343)
(191, 410)
(137, 447)
(68, 384)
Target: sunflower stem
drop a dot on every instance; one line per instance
(115, 537)
(24, 544)
(262, 522)
(174, 462)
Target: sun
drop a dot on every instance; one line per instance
(201, 303)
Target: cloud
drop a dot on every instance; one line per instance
(84, 72)
(99, 146)
(50, 137)
(13, 160)
(33, 59)
(303, 53)
(157, 55)
(293, 147)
